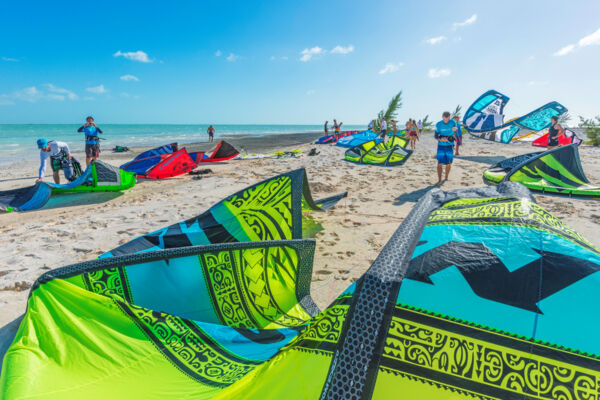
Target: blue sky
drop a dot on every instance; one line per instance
(290, 62)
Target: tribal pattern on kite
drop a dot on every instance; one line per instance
(556, 171)
(393, 152)
(480, 294)
(485, 118)
(97, 177)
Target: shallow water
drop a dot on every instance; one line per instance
(19, 141)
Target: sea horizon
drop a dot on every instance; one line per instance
(18, 141)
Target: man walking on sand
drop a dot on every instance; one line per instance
(444, 133)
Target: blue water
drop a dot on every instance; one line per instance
(19, 141)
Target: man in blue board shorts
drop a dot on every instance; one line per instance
(444, 133)
(92, 141)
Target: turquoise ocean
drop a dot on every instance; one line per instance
(19, 141)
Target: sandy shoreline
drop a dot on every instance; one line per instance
(354, 231)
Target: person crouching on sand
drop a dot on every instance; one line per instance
(60, 158)
(92, 141)
(458, 134)
(444, 133)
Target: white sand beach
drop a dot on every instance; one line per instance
(81, 227)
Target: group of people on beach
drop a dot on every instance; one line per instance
(336, 127)
(60, 155)
(448, 133)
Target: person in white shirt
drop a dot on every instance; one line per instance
(383, 128)
(60, 158)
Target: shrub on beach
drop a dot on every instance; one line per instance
(591, 127)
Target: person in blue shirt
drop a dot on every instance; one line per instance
(458, 134)
(444, 133)
(92, 142)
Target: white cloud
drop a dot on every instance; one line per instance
(130, 78)
(284, 58)
(89, 98)
(218, 53)
(590, 40)
(8, 59)
(307, 53)
(310, 92)
(139, 56)
(436, 40)
(565, 50)
(32, 94)
(100, 89)
(434, 73)
(342, 49)
(469, 21)
(390, 67)
(232, 57)
(58, 92)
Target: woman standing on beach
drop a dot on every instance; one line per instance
(325, 128)
(92, 141)
(211, 133)
(554, 132)
(411, 130)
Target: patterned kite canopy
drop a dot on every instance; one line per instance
(479, 294)
(485, 118)
(556, 171)
(358, 139)
(97, 177)
(393, 152)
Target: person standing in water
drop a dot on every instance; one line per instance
(60, 158)
(211, 133)
(444, 133)
(92, 141)
(458, 134)
(554, 132)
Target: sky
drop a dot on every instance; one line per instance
(291, 62)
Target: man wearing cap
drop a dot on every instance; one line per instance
(60, 158)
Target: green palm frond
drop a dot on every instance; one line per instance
(427, 124)
(456, 112)
(391, 112)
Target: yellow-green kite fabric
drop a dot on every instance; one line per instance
(480, 293)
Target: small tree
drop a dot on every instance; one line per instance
(456, 112)
(591, 127)
(563, 119)
(427, 124)
(392, 110)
